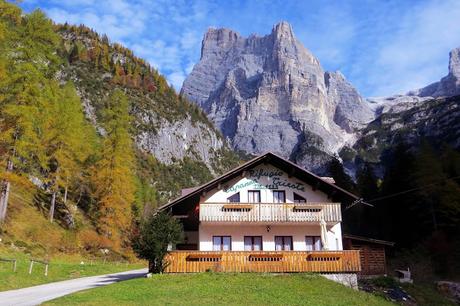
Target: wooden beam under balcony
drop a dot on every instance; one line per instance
(237, 206)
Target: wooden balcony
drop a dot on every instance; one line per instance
(263, 261)
(270, 212)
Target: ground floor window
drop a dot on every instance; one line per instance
(253, 243)
(283, 243)
(313, 243)
(221, 243)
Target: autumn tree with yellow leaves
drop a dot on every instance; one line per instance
(114, 173)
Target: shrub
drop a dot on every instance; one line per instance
(155, 234)
(89, 240)
(385, 282)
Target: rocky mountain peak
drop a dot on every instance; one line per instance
(283, 30)
(454, 63)
(270, 93)
(448, 85)
(222, 39)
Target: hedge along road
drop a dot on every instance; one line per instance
(42, 293)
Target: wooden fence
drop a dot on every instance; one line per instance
(263, 261)
(13, 261)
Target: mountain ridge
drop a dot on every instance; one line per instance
(254, 90)
(270, 93)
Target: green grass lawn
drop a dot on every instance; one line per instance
(59, 269)
(427, 295)
(223, 289)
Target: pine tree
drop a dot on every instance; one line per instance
(25, 96)
(367, 182)
(341, 179)
(69, 141)
(368, 189)
(114, 173)
(438, 197)
(105, 57)
(9, 15)
(395, 213)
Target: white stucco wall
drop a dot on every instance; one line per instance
(237, 232)
(266, 179)
(265, 184)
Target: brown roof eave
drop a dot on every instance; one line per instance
(371, 240)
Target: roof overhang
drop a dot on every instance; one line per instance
(370, 240)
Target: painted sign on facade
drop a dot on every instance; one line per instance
(274, 180)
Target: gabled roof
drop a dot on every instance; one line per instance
(283, 164)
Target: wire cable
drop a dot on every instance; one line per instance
(413, 189)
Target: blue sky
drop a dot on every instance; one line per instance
(382, 47)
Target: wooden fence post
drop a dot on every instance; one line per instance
(31, 266)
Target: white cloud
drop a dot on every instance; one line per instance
(176, 79)
(416, 54)
(119, 20)
(190, 39)
(189, 67)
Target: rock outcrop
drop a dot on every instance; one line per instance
(352, 112)
(271, 93)
(449, 85)
(180, 139)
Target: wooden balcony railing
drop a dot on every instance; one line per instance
(270, 212)
(263, 261)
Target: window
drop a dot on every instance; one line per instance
(253, 243)
(299, 199)
(235, 198)
(283, 243)
(254, 196)
(221, 243)
(313, 243)
(279, 196)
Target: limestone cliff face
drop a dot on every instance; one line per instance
(271, 93)
(161, 127)
(352, 112)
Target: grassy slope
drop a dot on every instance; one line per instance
(60, 268)
(28, 234)
(224, 289)
(27, 227)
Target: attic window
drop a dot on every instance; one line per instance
(235, 198)
(299, 199)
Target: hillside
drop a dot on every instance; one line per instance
(434, 120)
(92, 139)
(172, 136)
